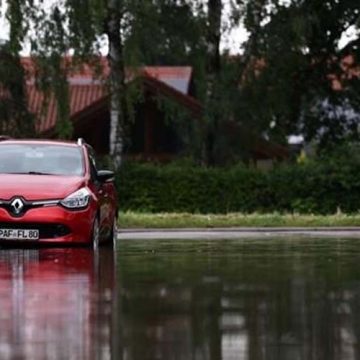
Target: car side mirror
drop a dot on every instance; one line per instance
(105, 175)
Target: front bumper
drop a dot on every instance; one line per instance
(55, 223)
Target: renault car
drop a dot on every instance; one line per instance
(52, 192)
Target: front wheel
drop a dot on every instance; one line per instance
(113, 234)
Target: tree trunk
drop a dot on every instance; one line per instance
(212, 72)
(117, 81)
(214, 36)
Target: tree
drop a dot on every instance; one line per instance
(282, 83)
(115, 15)
(166, 32)
(15, 118)
(78, 26)
(129, 27)
(290, 85)
(229, 135)
(213, 68)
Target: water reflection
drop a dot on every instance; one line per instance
(279, 299)
(55, 304)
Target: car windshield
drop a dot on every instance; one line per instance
(41, 159)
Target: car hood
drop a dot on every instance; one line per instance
(38, 187)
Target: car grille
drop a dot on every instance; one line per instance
(46, 231)
(18, 206)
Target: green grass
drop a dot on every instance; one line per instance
(171, 220)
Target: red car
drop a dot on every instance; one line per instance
(52, 192)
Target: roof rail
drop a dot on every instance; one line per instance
(81, 141)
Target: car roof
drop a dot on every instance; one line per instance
(39, 142)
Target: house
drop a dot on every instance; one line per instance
(152, 137)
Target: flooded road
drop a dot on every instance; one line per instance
(277, 299)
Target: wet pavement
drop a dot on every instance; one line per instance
(282, 298)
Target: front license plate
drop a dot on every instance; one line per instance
(19, 234)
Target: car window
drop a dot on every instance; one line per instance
(41, 159)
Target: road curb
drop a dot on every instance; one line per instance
(236, 233)
(244, 229)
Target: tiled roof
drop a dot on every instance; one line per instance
(176, 77)
(81, 96)
(87, 88)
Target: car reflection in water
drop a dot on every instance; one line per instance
(56, 303)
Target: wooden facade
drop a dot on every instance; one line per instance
(149, 136)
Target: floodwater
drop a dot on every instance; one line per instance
(280, 299)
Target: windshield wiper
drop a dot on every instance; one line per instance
(37, 173)
(28, 173)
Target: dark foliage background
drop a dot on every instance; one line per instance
(280, 83)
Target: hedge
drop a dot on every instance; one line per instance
(316, 187)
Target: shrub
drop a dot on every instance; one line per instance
(320, 187)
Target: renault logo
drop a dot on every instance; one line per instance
(17, 206)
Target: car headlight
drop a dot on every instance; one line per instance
(77, 200)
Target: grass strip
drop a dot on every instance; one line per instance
(186, 220)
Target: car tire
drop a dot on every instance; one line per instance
(111, 239)
(95, 234)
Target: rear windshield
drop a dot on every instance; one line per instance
(41, 159)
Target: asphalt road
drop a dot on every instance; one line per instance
(236, 233)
